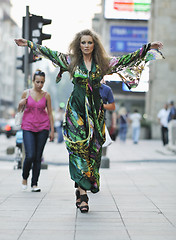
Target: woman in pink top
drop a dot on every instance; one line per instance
(36, 124)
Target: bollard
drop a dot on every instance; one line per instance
(10, 150)
(44, 166)
(104, 162)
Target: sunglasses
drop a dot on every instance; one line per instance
(39, 73)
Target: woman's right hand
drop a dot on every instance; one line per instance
(23, 102)
(21, 42)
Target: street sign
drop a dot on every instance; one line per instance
(127, 38)
(127, 9)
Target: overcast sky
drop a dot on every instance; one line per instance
(68, 17)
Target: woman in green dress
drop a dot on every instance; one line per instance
(84, 126)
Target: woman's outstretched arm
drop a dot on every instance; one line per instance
(60, 59)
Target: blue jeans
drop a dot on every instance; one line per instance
(60, 138)
(123, 131)
(34, 143)
(135, 134)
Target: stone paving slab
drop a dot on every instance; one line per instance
(47, 234)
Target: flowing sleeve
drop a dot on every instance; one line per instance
(129, 67)
(58, 59)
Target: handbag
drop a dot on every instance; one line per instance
(108, 138)
(19, 115)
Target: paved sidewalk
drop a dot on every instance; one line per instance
(146, 150)
(56, 154)
(137, 200)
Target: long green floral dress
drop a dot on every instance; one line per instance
(84, 125)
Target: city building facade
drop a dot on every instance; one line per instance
(162, 84)
(11, 81)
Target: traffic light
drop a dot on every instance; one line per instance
(22, 64)
(36, 35)
(36, 24)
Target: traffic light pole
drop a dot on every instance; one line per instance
(26, 58)
(32, 30)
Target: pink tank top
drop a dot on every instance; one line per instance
(35, 117)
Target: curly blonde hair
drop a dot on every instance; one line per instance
(99, 54)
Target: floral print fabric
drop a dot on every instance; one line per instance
(84, 126)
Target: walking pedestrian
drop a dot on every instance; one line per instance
(84, 125)
(108, 104)
(123, 123)
(163, 115)
(135, 119)
(59, 118)
(172, 127)
(172, 111)
(36, 124)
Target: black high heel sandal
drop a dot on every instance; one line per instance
(78, 197)
(84, 198)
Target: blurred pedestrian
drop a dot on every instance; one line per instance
(172, 126)
(36, 124)
(172, 111)
(19, 147)
(123, 123)
(135, 119)
(163, 115)
(59, 118)
(84, 126)
(114, 126)
(108, 104)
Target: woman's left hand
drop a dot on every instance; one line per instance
(156, 45)
(51, 136)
